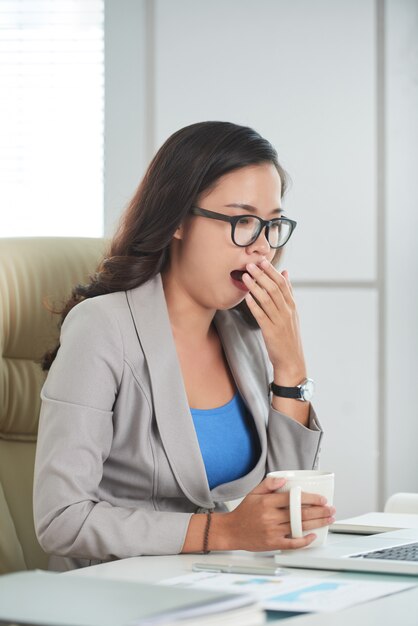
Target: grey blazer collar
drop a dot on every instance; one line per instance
(175, 424)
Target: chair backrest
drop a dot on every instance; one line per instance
(402, 502)
(35, 273)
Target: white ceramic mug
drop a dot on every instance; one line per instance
(309, 481)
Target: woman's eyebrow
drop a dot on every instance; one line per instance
(249, 207)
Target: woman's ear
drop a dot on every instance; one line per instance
(178, 233)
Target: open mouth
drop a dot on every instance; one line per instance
(236, 277)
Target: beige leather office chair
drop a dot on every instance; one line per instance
(32, 270)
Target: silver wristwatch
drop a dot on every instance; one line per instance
(304, 391)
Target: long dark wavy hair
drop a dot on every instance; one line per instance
(187, 164)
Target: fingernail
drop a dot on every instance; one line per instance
(278, 482)
(264, 263)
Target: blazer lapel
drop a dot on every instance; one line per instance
(246, 362)
(243, 354)
(175, 424)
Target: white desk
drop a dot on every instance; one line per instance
(397, 610)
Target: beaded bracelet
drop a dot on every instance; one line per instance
(206, 535)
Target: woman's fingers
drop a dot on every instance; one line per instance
(317, 523)
(309, 525)
(285, 274)
(313, 498)
(261, 297)
(282, 499)
(268, 485)
(313, 516)
(285, 528)
(317, 512)
(257, 310)
(262, 520)
(287, 543)
(270, 281)
(271, 302)
(265, 292)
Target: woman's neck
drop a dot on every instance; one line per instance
(187, 317)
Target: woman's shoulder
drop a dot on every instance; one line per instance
(99, 306)
(115, 307)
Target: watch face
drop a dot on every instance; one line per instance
(307, 389)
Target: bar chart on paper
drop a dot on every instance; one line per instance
(293, 593)
(317, 597)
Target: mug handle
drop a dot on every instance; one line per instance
(295, 505)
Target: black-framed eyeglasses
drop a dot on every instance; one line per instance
(245, 229)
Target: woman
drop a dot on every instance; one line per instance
(157, 408)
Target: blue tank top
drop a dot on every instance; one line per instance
(228, 441)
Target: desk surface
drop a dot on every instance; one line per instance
(400, 609)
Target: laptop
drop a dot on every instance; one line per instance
(394, 552)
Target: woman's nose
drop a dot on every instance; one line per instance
(261, 244)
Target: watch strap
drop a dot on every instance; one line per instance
(286, 392)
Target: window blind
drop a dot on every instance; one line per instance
(51, 117)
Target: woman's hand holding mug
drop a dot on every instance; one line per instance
(262, 521)
(299, 482)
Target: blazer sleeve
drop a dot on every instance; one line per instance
(74, 441)
(292, 445)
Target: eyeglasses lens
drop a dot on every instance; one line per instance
(279, 233)
(247, 231)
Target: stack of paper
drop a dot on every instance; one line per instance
(376, 522)
(48, 599)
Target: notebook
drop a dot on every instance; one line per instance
(387, 553)
(376, 522)
(50, 599)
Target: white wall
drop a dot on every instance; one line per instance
(320, 79)
(401, 241)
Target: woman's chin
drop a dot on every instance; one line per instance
(230, 303)
(222, 299)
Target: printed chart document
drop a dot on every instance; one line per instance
(51, 599)
(292, 593)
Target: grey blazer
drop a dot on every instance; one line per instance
(118, 469)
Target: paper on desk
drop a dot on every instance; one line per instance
(375, 522)
(292, 593)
